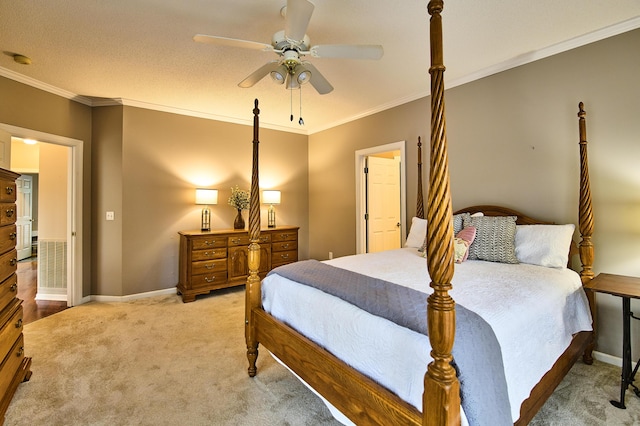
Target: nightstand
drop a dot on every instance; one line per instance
(626, 288)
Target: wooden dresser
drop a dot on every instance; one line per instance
(15, 367)
(219, 259)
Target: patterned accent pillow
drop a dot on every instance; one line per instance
(458, 222)
(495, 238)
(461, 243)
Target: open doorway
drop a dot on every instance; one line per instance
(63, 168)
(386, 227)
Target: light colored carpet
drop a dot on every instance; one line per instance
(159, 361)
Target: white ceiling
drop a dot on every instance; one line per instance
(141, 52)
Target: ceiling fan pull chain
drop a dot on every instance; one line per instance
(301, 121)
(291, 104)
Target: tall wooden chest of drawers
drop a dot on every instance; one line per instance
(15, 367)
(219, 259)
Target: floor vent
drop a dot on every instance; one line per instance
(52, 264)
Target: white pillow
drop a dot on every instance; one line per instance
(417, 233)
(544, 245)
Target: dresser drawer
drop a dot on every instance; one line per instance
(282, 257)
(7, 238)
(209, 280)
(8, 290)
(284, 236)
(243, 240)
(7, 191)
(208, 242)
(8, 264)
(208, 266)
(7, 213)
(11, 364)
(238, 240)
(284, 246)
(216, 253)
(10, 331)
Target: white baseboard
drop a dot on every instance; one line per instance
(609, 359)
(55, 297)
(129, 297)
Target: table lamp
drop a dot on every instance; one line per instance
(206, 197)
(271, 198)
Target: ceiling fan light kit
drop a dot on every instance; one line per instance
(291, 44)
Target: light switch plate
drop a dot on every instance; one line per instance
(110, 216)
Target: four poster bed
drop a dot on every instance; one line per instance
(375, 374)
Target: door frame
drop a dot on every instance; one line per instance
(75, 175)
(361, 202)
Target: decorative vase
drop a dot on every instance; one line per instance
(239, 222)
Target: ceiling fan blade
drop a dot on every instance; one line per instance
(233, 42)
(297, 19)
(350, 51)
(317, 80)
(259, 74)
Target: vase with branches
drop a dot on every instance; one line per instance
(239, 200)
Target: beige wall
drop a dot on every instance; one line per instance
(513, 140)
(107, 196)
(147, 165)
(30, 108)
(52, 190)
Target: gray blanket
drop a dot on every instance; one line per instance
(476, 351)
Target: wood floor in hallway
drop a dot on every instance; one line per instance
(27, 287)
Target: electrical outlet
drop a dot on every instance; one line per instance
(330, 255)
(111, 216)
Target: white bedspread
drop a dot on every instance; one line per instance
(534, 311)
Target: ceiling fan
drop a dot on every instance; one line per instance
(291, 45)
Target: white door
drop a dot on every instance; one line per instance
(24, 217)
(383, 204)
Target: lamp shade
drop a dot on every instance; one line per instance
(271, 197)
(207, 196)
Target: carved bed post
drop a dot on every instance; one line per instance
(585, 217)
(420, 199)
(441, 397)
(253, 293)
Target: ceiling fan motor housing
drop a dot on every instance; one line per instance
(280, 42)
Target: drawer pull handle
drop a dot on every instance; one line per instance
(14, 287)
(13, 261)
(236, 241)
(210, 280)
(20, 351)
(9, 190)
(13, 235)
(210, 266)
(285, 246)
(264, 239)
(19, 323)
(285, 256)
(10, 212)
(209, 243)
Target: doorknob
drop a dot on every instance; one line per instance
(398, 224)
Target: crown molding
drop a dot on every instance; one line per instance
(21, 78)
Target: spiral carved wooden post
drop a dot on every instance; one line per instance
(253, 293)
(420, 199)
(441, 398)
(585, 217)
